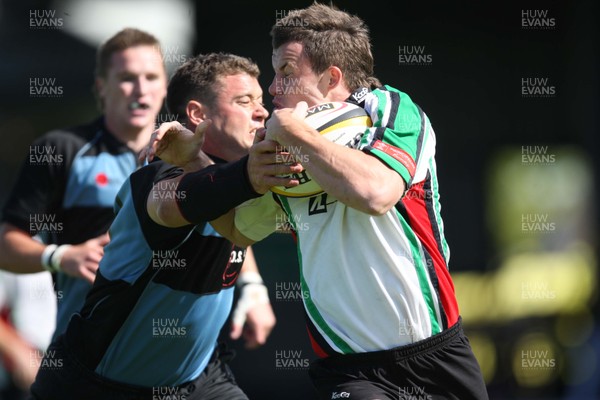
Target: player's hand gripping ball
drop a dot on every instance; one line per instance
(339, 122)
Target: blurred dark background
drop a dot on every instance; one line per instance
(471, 87)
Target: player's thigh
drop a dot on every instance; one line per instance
(215, 383)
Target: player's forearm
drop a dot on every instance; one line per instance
(225, 225)
(356, 179)
(212, 192)
(201, 196)
(162, 207)
(19, 252)
(249, 262)
(161, 204)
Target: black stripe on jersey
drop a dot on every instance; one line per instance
(157, 236)
(434, 282)
(204, 265)
(118, 203)
(97, 221)
(421, 135)
(402, 209)
(394, 106)
(90, 337)
(377, 136)
(430, 206)
(316, 336)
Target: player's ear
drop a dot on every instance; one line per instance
(99, 92)
(195, 112)
(99, 86)
(335, 76)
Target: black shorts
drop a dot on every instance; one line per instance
(440, 367)
(71, 380)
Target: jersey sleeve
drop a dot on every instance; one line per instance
(41, 180)
(401, 135)
(131, 211)
(257, 218)
(154, 172)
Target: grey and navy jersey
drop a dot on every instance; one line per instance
(161, 296)
(65, 193)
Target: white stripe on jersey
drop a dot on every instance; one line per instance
(361, 277)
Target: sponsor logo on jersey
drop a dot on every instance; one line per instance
(402, 156)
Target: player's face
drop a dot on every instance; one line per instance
(294, 79)
(134, 87)
(236, 115)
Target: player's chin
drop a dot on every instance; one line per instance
(280, 103)
(141, 121)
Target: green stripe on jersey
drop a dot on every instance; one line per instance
(405, 126)
(392, 163)
(310, 306)
(437, 211)
(421, 274)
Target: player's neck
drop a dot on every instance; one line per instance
(135, 138)
(224, 154)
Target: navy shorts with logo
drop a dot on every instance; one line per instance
(442, 367)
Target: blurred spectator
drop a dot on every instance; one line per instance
(27, 321)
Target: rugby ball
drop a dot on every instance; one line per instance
(339, 122)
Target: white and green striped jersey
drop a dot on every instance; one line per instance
(371, 282)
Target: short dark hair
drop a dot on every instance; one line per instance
(330, 37)
(124, 39)
(199, 79)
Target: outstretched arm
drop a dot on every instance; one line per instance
(209, 191)
(20, 253)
